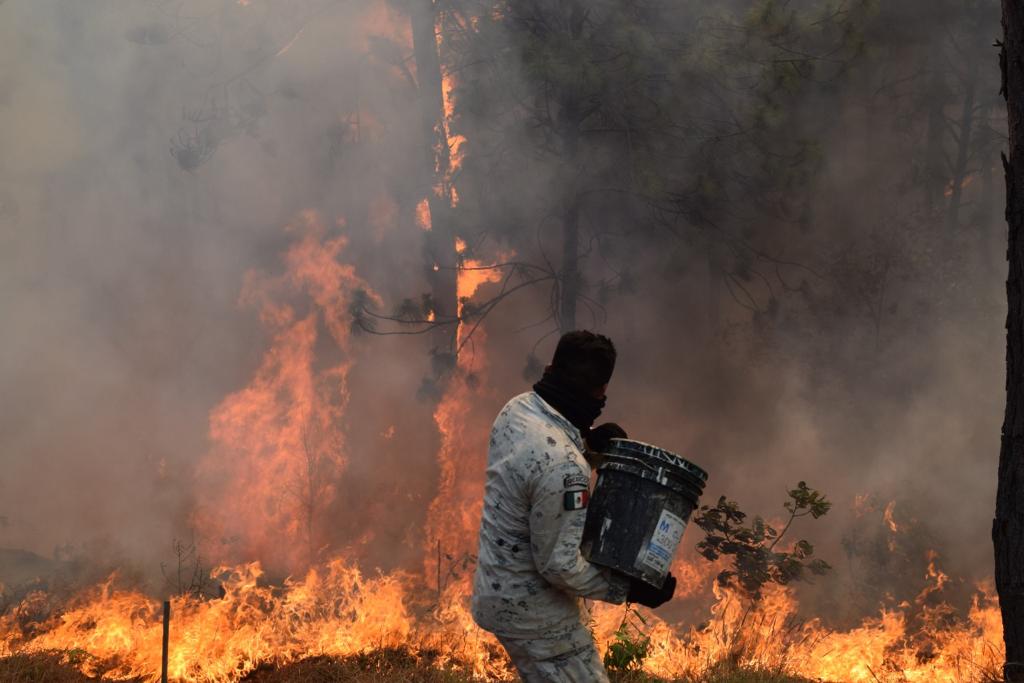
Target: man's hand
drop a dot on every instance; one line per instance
(601, 435)
(647, 595)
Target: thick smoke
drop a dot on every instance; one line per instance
(153, 153)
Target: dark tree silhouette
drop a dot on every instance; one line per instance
(1008, 525)
(440, 240)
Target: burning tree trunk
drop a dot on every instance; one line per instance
(440, 241)
(1008, 525)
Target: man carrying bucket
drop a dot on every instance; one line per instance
(530, 577)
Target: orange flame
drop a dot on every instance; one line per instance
(454, 514)
(423, 221)
(887, 515)
(277, 452)
(277, 445)
(263, 437)
(335, 610)
(455, 142)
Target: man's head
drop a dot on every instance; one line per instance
(585, 361)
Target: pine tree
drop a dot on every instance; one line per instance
(1008, 526)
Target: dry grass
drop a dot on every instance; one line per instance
(380, 666)
(731, 675)
(40, 668)
(719, 675)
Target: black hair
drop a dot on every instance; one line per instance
(584, 359)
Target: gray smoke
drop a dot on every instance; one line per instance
(151, 154)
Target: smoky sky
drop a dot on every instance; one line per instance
(122, 262)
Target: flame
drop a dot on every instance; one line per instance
(263, 436)
(456, 152)
(936, 577)
(278, 452)
(454, 514)
(475, 273)
(888, 517)
(455, 142)
(693, 576)
(966, 182)
(472, 275)
(862, 504)
(277, 445)
(423, 221)
(335, 610)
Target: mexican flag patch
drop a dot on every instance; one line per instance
(576, 500)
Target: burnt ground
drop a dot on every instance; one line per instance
(381, 666)
(37, 668)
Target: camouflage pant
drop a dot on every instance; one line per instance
(565, 658)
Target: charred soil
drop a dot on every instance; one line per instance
(379, 666)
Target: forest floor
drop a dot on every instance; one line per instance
(382, 666)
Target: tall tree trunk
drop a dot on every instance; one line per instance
(570, 279)
(1008, 525)
(714, 292)
(963, 151)
(986, 212)
(570, 120)
(936, 97)
(441, 257)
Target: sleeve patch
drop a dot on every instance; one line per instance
(576, 500)
(576, 481)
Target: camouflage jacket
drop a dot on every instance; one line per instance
(530, 575)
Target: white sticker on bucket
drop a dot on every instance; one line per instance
(662, 546)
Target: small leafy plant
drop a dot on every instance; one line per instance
(630, 646)
(752, 547)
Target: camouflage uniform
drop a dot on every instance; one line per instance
(567, 658)
(530, 577)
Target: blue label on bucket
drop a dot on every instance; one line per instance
(662, 547)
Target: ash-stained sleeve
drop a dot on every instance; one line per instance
(557, 514)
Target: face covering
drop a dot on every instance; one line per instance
(574, 405)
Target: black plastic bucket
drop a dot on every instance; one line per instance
(640, 507)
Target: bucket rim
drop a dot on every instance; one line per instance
(630, 447)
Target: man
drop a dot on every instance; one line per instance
(531, 577)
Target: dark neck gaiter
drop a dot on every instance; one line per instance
(574, 405)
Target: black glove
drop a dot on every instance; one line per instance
(600, 436)
(647, 595)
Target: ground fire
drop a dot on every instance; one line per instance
(337, 609)
(253, 373)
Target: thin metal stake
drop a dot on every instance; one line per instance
(167, 632)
